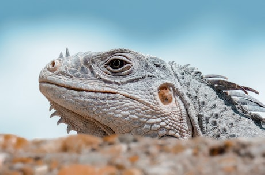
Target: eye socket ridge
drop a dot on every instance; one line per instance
(118, 64)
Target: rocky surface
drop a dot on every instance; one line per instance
(130, 155)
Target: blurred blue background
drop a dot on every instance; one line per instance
(221, 37)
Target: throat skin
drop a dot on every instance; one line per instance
(122, 91)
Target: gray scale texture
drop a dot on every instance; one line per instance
(93, 96)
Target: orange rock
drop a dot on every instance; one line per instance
(120, 166)
(39, 162)
(114, 150)
(111, 139)
(178, 148)
(11, 173)
(54, 164)
(132, 171)
(228, 144)
(133, 159)
(9, 141)
(217, 150)
(195, 151)
(25, 160)
(3, 157)
(27, 170)
(47, 146)
(21, 143)
(41, 169)
(77, 143)
(221, 149)
(229, 169)
(190, 173)
(107, 170)
(87, 169)
(231, 160)
(77, 169)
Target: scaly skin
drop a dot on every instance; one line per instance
(122, 91)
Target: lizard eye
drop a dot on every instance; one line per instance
(118, 64)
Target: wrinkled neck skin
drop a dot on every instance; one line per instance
(122, 91)
(213, 113)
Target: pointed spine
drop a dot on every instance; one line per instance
(51, 107)
(61, 55)
(69, 128)
(67, 53)
(61, 120)
(56, 113)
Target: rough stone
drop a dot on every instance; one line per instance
(85, 154)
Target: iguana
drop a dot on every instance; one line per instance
(123, 91)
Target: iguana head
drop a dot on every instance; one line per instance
(119, 91)
(122, 91)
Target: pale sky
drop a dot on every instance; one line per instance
(225, 38)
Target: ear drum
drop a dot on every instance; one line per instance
(165, 94)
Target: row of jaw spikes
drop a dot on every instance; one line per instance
(67, 53)
(61, 119)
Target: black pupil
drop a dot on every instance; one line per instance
(116, 64)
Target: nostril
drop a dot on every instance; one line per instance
(54, 65)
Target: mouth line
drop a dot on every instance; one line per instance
(77, 89)
(109, 91)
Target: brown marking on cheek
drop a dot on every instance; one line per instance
(165, 94)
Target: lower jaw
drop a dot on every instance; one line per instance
(78, 123)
